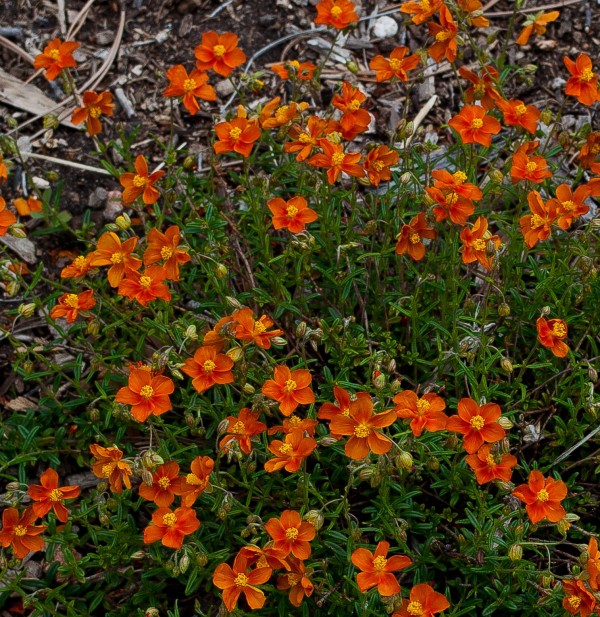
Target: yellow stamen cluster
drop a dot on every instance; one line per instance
(379, 563)
(291, 211)
(54, 54)
(336, 11)
(72, 300)
(285, 448)
(521, 109)
(139, 181)
(531, 167)
(209, 366)
(20, 530)
(378, 165)
(442, 36)
(537, 221)
(451, 199)
(235, 133)
(108, 469)
(490, 460)
(219, 50)
(259, 326)
(241, 580)
(423, 406)
(164, 483)
(587, 74)
(145, 281)
(543, 495)
(166, 252)
(460, 177)
(238, 428)
(189, 85)
(567, 205)
(291, 533)
(476, 123)
(294, 579)
(477, 422)
(116, 258)
(290, 386)
(304, 138)
(337, 158)
(395, 64)
(55, 495)
(354, 105)
(95, 111)
(194, 480)
(479, 244)
(414, 238)
(559, 330)
(147, 392)
(169, 519)
(415, 608)
(362, 430)
(281, 115)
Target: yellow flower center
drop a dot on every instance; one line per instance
(442, 36)
(291, 211)
(345, 411)
(286, 448)
(476, 123)
(587, 75)
(54, 54)
(20, 530)
(238, 428)
(490, 460)
(219, 50)
(145, 281)
(235, 133)
(166, 252)
(543, 495)
(189, 85)
(295, 421)
(378, 165)
(415, 608)
(477, 422)
(336, 11)
(108, 469)
(304, 138)
(72, 300)
(294, 63)
(451, 199)
(290, 386)
(459, 177)
(362, 430)
(194, 480)
(354, 105)
(241, 580)
(139, 181)
(559, 330)
(169, 519)
(479, 245)
(294, 579)
(291, 533)
(567, 205)
(415, 238)
(537, 221)
(521, 109)
(209, 366)
(574, 602)
(147, 392)
(259, 326)
(164, 483)
(281, 113)
(95, 111)
(425, 6)
(595, 149)
(337, 158)
(116, 258)
(79, 261)
(379, 563)
(423, 406)
(531, 167)
(479, 91)
(395, 64)
(55, 495)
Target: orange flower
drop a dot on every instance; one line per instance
(542, 497)
(56, 57)
(578, 600)
(336, 13)
(290, 453)
(483, 88)
(110, 252)
(296, 581)
(362, 425)
(48, 496)
(411, 237)
(140, 183)
(3, 170)
(165, 247)
(304, 140)
(166, 483)
(289, 388)
(476, 241)
(590, 150)
(455, 183)
(426, 412)
(527, 167)
(79, 267)
(290, 534)
(445, 37)
(377, 569)
(25, 208)
(293, 214)
(94, 106)
(551, 334)
(337, 161)
(328, 411)
(190, 87)
(537, 225)
(147, 394)
(215, 337)
(487, 467)
(242, 429)
(583, 82)
(268, 556)
(570, 205)
(197, 481)
(396, 66)
(238, 136)
(69, 305)
(477, 424)
(20, 532)
(475, 126)
(250, 329)
(536, 22)
(208, 368)
(378, 162)
(109, 466)
(294, 424)
(593, 564)
(354, 119)
(219, 53)
(7, 218)
(473, 6)
(295, 70)
(421, 10)
(171, 527)
(422, 602)
(145, 287)
(450, 204)
(274, 116)
(239, 579)
(516, 113)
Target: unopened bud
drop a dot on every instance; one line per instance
(545, 311)
(328, 441)
(138, 555)
(233, 303)
(315, 518)
(26, 310)
(505, 423)
(151, 459)
(190, 332)
(222, 427)
(564, 139)
(301, 329)
(93, 414)
(190, 163)
(248, 388)
(123, 222)
(352, 67)
(93, 327)
(366, 473)
(235, 354)
(12, 486)
(515, 552)
(546, 116)
(396, 386)
(221, 271)
(506, 365)
(278, 341)
(593, 373)
(189, 420)
(18, 231)
(503, 310)
(27, 367)
(433, 463)
(405, 177)
(184, 564)
(50, 121)
(176, 374)
(547, 580)
(146, 477)
(496, 176)
(404, 460)
(152, 612)
(563, 526)
(202, 559)
(379, 382)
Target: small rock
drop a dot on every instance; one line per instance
(98, 198)
(558, 83)
(224, 88)
(40, 183)
(23, 247)
(114, 206)
(385, 27)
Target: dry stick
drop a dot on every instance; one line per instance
(16, 49)
(53, 159)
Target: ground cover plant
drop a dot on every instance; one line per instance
(344, 367)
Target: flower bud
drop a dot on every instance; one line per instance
(547, 580)
(496, 176)
(366, 473)
(404, 460)
(248, 388)
(233, 303)
(26, 310)
(328, 441)
(27, 367)
(301, 329)
(50, 121)
(545, 311)
(12, 486)
(221, 271)
(315, 518)
(146, 477)
(503, 310)
(152, 612)
(151, 459)
(93, 414)
(546, 116)
(278, 341)
(201, 559)
(352, 67)
(593, 373)
(506, 365)
(138, 555)
(433, 463)
(93, 327)
(104, 520)
(190, 163)
(515, 552)
(191, 333)
(379, 382)
(123, 222)
(235, 354)
(405, 178)
(189, 420)
(184, 564)
(505, 423)
(396, 386)
(563, 526)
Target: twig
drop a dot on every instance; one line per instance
(53, 159)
